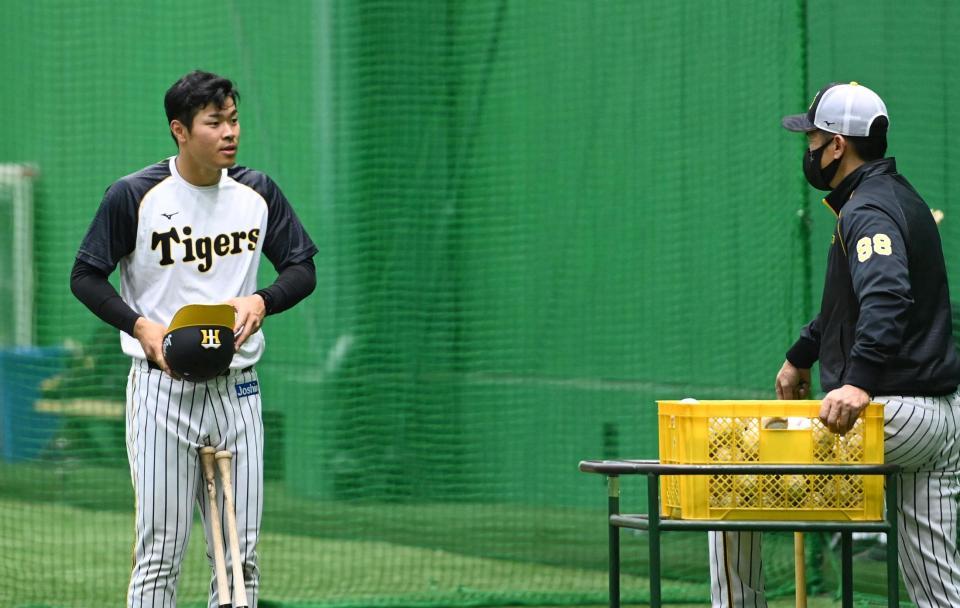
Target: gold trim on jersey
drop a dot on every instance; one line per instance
(827, 205)
(840, 237)
(147, 193)
(262, 198)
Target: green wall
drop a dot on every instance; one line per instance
(534, 218)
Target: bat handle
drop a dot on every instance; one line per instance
(224, 460)
(219, 559)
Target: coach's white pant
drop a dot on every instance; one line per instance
(921, 435)
(167, 420)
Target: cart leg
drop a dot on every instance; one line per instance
(846, 568)
(893, 575)
(653, 519)
(800, 570)
(613, 508)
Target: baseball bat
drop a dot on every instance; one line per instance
(224, 459)
(219, 559)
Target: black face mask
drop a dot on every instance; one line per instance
(819, 178)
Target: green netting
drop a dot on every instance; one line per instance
(534, 220)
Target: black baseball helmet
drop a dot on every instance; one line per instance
(199, 344)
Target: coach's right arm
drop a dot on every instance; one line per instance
(793, 379)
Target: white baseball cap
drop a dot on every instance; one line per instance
(846, 109)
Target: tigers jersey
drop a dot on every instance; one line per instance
(177, 243)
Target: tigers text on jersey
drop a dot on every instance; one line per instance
(180, 244)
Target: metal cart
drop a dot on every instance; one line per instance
(654, 524)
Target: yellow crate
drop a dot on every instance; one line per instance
(768, 432)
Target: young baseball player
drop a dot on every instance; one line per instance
(883, 333)
(191, 229)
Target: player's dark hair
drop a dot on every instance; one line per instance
(874, 145)
(193, 92)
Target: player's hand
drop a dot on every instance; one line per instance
(792, 382)
(842, 406)
(150, 335)
(250, 313)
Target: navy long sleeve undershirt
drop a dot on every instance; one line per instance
(90, 285)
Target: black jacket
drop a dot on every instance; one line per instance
(884, 322)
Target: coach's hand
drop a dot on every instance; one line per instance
(842, 406)
(793, 382)
(150, 335)
(250, 313)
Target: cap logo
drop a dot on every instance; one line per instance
(210, 338)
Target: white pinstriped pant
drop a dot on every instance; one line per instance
(921, 434)
(167, 421)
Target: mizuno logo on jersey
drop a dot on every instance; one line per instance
(210, 338)
(204, 249)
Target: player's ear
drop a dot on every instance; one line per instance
(841, 145)
(179, 131)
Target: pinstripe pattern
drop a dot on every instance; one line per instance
(167, 421)
(921, 434)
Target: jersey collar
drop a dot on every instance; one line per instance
(176, 174)
(844, 190)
